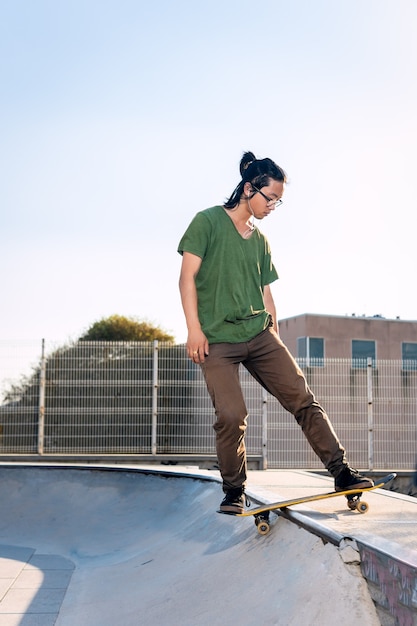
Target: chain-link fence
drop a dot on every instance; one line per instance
(113, 398)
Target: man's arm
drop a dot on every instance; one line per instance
(270, 305)
(197, 344)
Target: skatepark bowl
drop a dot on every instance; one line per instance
(83, 546)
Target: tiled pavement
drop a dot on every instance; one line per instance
(32, 586)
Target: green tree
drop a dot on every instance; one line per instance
(120, 328)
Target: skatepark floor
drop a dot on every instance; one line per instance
(126, 546)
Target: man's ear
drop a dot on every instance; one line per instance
(247, 189)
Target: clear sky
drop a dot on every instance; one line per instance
(121, 119)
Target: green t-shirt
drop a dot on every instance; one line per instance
(232, 276)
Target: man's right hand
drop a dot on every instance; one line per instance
(197, 346)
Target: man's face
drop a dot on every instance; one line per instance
(262, 201)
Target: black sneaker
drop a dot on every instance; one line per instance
(233, 502)
(350, 478)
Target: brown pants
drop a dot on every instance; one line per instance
(271, 364)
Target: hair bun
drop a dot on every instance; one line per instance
(247, 159)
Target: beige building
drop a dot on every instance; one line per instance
(326, 336)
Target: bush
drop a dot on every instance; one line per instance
(120, 328)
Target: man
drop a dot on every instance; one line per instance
(230, 313)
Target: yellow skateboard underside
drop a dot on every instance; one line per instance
(321, 496)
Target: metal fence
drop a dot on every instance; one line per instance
(109, 398)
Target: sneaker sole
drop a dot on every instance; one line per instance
(231, 510)
(366, 484)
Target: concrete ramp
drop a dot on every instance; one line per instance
(126, 548)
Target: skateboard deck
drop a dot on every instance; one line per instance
(261, 513)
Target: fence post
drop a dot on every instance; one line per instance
(41, 408)
(370, 416)
(264, 429)
(154, 398)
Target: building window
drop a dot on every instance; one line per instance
(363, 350)
(409, 356)
(312, 350)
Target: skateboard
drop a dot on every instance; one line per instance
(354, 502)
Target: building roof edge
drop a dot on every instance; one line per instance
(348, 317)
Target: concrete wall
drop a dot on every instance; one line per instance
(338, 333)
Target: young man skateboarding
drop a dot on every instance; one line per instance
(230, 313)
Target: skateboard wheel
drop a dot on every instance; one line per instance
(262, 517)
(362, 507)
(263, 527)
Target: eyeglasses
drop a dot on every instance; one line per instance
(269, 201)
